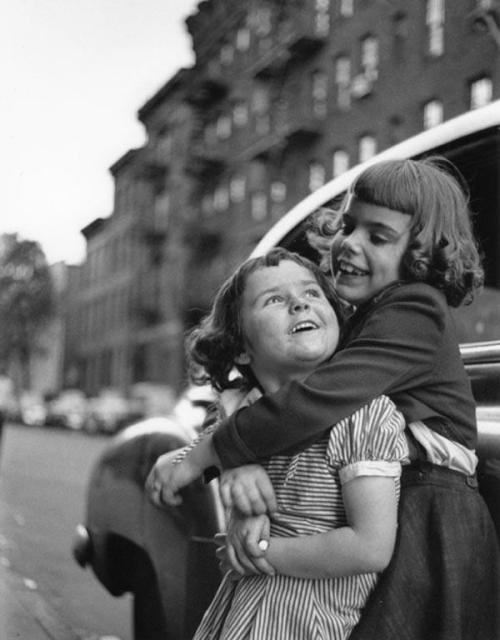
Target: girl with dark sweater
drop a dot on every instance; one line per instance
(404, 255)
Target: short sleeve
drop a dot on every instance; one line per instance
(370, 442)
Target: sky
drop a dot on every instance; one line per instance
(73, 75)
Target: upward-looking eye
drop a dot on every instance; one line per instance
(313, 293)
(274, 299)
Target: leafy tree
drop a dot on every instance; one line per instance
(26, 301)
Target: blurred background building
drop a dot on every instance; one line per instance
(283, 96)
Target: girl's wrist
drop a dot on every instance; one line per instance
(203, 455)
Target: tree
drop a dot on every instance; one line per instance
(26, 301)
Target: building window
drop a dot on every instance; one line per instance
(259, 206)
(223, 127)
(433, 114)
(369, 57)
(322, 18)
(367, 148)
(243, 39)
(226, 54)
(262, 21)
(319, 94)
(221, 199)
(278, 191)
(343, 82)
(260, 100)
(346, 8)
(316, 176)
(340, 162)
(237, 189)
(481, 92)
(240, 114)
(435, 27)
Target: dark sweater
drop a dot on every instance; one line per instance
(402, 344)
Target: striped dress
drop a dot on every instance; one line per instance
(308, 491)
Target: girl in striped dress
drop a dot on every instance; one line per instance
(335, 525)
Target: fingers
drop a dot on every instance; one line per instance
(242, 548)
(268, 497)
(256, 539)
(228, 555)
(160, 493)
(262, 566)
(256, 543)
(244, 564)
(247, 500)
(249, 490)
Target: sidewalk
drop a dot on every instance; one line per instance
(24, 614)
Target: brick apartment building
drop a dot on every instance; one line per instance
(283, 96)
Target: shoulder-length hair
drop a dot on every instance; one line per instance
(213, 346)
(442, 250)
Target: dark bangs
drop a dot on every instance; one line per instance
(389, 184)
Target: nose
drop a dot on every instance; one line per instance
(352, 242)
(298, 304)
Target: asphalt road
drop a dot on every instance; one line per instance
(43, 476)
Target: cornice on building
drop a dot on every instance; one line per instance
(176, 82)
(94, 227)
(125, 160)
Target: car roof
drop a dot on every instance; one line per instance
(440, 135)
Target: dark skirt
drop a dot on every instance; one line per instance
(443, 582)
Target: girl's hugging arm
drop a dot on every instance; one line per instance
(393, 351)
(368, 460)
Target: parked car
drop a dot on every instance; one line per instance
(69, 409)
(32, 409)
(148, 399)
(108, 412)
(165, 557)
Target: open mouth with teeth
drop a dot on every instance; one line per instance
(347, 269)
(307, 325)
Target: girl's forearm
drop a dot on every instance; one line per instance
(336, 553)
(203, 455)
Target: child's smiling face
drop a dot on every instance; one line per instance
(288, 324)
(367, 252)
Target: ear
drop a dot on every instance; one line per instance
(242, 358)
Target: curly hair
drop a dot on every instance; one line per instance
(213, 346)
(442, 250)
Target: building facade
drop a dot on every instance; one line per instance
(282, 97)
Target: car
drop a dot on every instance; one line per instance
(32, 409)
(165, 557)
(108, 412)
(69, 410)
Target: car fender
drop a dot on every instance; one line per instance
(117, 505)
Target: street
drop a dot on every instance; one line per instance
(43, 477)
